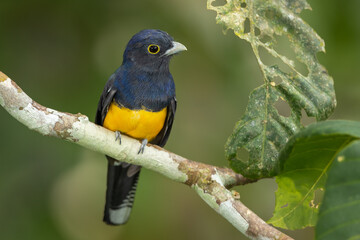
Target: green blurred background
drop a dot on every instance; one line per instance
(62, 52)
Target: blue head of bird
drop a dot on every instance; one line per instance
(151, 50)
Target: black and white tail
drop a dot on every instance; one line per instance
(122, 179)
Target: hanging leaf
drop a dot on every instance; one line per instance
(305, 162)
(263, 131)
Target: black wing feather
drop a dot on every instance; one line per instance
(163, 135)
(106, 98)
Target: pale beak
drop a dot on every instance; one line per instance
(177, 47)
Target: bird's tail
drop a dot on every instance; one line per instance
(122, 180)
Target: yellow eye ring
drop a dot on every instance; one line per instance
(153, 48)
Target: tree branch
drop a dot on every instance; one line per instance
(209, 182)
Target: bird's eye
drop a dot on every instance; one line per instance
(153, 48)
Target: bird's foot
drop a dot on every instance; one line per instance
(143, 145)
(118, 136)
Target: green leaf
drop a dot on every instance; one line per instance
(304, 164)
(262, 131)
(339, 216)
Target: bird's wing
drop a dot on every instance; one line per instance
(105, 99)
(163, 135)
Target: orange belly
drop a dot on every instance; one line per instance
(140, 124)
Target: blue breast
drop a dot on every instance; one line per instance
(138, 89)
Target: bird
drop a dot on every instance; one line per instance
(139, 101)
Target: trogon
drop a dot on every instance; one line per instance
(139, 101)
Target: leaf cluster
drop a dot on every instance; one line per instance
(263, 131)
(266, 143)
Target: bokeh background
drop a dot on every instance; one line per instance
(62, 52)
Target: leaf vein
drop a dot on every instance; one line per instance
(313, 186)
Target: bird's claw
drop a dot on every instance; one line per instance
(118, 136)
(143, 145)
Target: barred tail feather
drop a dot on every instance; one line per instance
(122, 181)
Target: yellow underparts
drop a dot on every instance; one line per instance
(140, 124)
